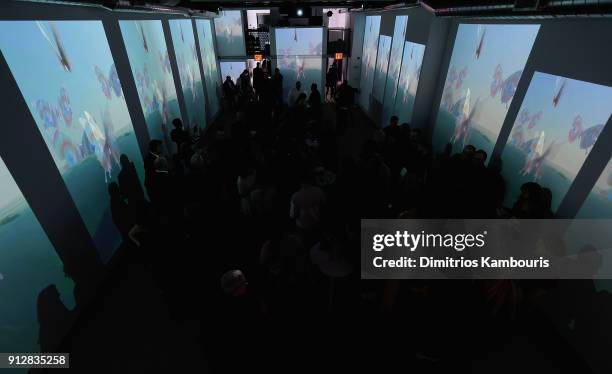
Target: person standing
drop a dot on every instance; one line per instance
(258, 79)
(294, 93)
(277, 86)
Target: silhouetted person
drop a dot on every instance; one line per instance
(393, 131)
(178, 134)
(229, 92)
(314, 101)
(120, 212)
(529, 204)
(345, 96)
(294, 93)
(277, 86)
(330, 81)
(129, 183)
(54, 319)
(245, 85)
(258, 79)
(345, 99)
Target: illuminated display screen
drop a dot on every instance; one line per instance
(150, 64)
(485, 68)
(28, 265)
(229, 31)
(382, 63)
(395, 62)
(209, 63)
(189, 72)
(68, 79)
(412, 61)
(368, 60)
(559, 122)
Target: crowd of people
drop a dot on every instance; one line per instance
(263, 216)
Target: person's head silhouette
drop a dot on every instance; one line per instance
(124, 161)
(177, 123)
(393, 121)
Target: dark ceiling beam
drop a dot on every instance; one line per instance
(441, 8)
(546, 9)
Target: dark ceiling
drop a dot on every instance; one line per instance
(440, 7)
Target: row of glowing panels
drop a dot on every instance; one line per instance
(390, 71)
(558, 124)
(68, 79)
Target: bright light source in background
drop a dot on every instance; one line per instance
(300, 12)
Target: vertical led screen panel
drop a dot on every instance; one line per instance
(68, 79)
(412, 61)
(485, 68)
(299, 57)
(230, 35)
(186, 54)
(28, 266)
(559, 122)
(598, 203)
(368, 60)
(395, 63)
(382, 63)
(209, 63)
(150, 64)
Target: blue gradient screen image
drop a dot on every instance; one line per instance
(485, 67)
(598, 203)
(150, 65)
(232, 69)
(68, 79)
(209, 63)
(303, 41)
(299, 57)
(412, 60)
(558, 124)
(382, 63)
(230, 35)
(368, 60)
(189, 72)
(307, 70)
(395, 62)
(28, 265)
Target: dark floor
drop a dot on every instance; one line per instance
(134, 328)
(130, 329)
